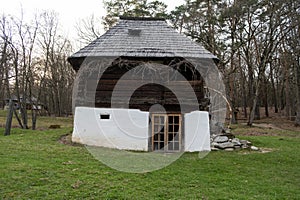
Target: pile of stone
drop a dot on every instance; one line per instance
(228, 142)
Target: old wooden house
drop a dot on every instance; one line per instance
(143, 67)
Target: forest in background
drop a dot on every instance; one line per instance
(33, 66)
(257, 42)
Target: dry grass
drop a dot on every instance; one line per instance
(43, 122)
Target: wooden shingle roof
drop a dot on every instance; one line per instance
(142, 37)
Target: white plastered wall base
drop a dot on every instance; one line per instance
(196, 131)
(125, 128)
(128, 129)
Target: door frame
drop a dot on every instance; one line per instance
(166, 132)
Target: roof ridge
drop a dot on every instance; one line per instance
(142, 18)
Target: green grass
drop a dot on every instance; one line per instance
(34, 165)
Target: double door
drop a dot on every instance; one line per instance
(166, 132)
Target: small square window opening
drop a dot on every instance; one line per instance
(104, 116)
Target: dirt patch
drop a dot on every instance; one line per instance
(54, 126)
(261, 150)
(279, 123)
(266, 150)
(276, 121)
(266, 125)
(67, 140)
(260, 133)
(275, 125)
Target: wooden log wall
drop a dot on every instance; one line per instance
(148, 94)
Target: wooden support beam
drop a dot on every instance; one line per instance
(9, 118)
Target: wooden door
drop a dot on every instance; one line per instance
(166, 132)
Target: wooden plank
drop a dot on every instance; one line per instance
(147, 100)
(144, 88)
(134, 81)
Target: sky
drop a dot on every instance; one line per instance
(70, 11)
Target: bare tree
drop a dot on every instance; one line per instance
(294, 51)
(88, 29)
(4, 51)
(9, 59)
(266, 37)
(297, 121)
(247, 37)
(57, 77)
(26, 41)
(33, 71)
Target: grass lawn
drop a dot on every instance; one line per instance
(34, 165)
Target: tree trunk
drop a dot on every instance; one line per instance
(245, 105)
(255, 98)
(2, 97)
(266, 107)
(274, 91)
(287, 94)
(4, 70)
(297, 120)
(233, 116)
(243, 81)
(257, 110)
(282, 98)
(252, 110)
(266, 99)
(18, 118)
(232, 99)
(9, 118)
(33, 116)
